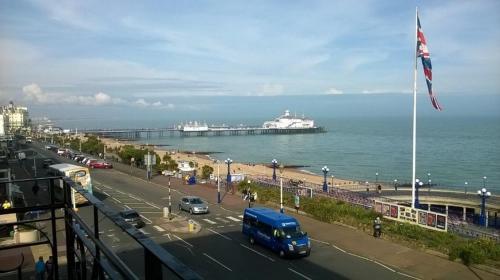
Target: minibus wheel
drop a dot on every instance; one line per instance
(282, 253)
(252, 241)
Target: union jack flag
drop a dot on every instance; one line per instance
(423, 52)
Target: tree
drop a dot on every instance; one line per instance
(206, 171)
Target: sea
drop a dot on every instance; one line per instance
(365, 134)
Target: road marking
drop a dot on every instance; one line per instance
(219, 234)
(135, 203)
(240, 216)
(218, 262)
(143, 231)
(341, 250)
(409, 276)
(257, 252)
(133, 197)
(146, 219)
(221, 219)
(158, 228)
(168, 235)
(209, 221)
(300, 274)
(233, 219)
(119, 191)
(184, 241)
(152, 205)
(115, 199)
(127, 207)
(151, 212)
(104, 192)
(319, 241)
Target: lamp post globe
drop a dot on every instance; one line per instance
(483, 194)
(484, 181)
(376, 177)
(418, 185)
(395, 184)
(228, 161)
(325, 171)
(275, 164)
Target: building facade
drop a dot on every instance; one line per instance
(15, 118)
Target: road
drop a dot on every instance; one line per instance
(219, 250)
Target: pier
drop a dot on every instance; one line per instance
(137, 133)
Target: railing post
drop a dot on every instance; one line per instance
(54, 229)
(70, 235)
(152, 266)
(97, 262)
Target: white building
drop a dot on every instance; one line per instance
(15, 117)
(3, 125)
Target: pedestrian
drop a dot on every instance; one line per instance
(40, 269)
(6, 204)
(251, 199)
(377, 227)
(35, 188)
(254, 196)
(244, 194)
(297, 202)
(49, 268)
(379, 188)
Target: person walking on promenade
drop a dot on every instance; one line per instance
(35, 188)
(40, 269)
(49, 268)
(297, 202)
(377, 227)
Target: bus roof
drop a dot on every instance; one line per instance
(271, 217)
(66, 166)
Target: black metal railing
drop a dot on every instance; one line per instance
(83, 242)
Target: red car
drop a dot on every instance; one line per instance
(100, 164)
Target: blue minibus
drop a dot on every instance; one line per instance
(277, 231)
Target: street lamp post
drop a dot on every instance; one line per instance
(281, 188)
(429, 180)
(169, 199)
(325, 171)
(395, 184)
(376, 177)
(466, 183)
(275, 164)
(484, 181)
(218, 182)
(228, 161)
(483, 194)
(332, 181)
(418, 185)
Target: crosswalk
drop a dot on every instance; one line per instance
(223, 220)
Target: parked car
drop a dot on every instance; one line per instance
(90, 161)
(193, 204)
(47, 162)
(78, 158)
(132, 217)
(100, 164)
(52, 148)
(85, 160)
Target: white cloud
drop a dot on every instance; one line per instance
(35, 94)
(334, 91)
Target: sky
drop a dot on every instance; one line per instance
(140, 53)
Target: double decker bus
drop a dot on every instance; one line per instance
(79, 174)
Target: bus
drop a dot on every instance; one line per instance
(79, 174)
(279, 232)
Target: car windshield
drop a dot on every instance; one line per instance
(131, 215)
(292, 232)
(195, 201)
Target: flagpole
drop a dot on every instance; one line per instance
(414, 149)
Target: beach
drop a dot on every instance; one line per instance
(247, 169)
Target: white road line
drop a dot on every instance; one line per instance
(219, 234)
(233, 219)
(143, 231)
(383, 265)
(257, 252)
(409, 276)
(216, 261)
(319, 241)
(133, 197)
(146, 219)
(209, 221)
(184, 241)
(168, 235)
(300, 274)
(135, 203)
(127, 207)
(240, 216)
(221, 219)
(117, 200)
(104, 192)
(341, 250)
(152, 205)
(141, 207)
(158, 228)
(151, 212)
(121, 192)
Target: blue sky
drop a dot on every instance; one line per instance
(138, 53)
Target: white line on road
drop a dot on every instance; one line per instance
(218, 262)
(146, 219)
(221, 219)
(106, 193)
(319, 241)
(151, 212)
(209, 221)
(233, 219)
(135, 203)
(219, 234)
(152, 205)
(409, 276)
(127, 207)
(120, 192)
(257, 252)
(341, 250)
(133, 197)
(300, 274)
(168, 235)
(240, 216)
(117, 200)
(143, 231)
(184, 241)
(158, 228)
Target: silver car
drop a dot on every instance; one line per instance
(193, 204)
